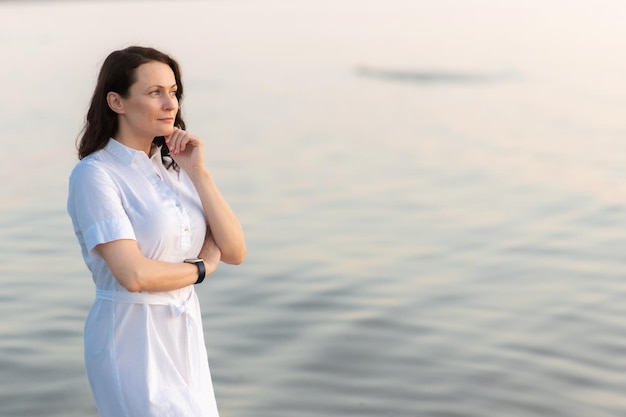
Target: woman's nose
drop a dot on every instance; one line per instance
(170, 102)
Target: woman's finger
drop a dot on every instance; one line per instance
(176, 141)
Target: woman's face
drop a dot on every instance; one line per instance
(151, 105)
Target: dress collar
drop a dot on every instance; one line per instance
(127, 155)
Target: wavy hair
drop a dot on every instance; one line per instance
(117, 74)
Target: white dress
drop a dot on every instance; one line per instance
(144, 352)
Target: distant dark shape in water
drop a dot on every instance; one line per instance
(431, 77)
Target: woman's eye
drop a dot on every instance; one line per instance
(154, 93)
(173, 93)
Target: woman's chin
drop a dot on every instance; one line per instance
(166, 131)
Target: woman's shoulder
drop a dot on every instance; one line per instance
(93, 164)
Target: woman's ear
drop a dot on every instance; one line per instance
(115, 102)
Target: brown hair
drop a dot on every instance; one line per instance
(117, 74)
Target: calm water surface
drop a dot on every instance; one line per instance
(433, 195)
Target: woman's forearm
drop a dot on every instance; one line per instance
(221, 220)
(135, 272)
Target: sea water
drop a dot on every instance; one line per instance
(433, 195)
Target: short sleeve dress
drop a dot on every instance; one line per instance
(144, 351)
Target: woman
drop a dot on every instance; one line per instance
(151, 223)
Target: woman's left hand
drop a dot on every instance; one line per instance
(186, 149)
(188, 152)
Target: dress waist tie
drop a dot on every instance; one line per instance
(178, 307)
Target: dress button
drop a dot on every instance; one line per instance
(186, 229)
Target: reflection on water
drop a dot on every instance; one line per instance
(415, 248)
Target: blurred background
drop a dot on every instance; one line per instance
(433, 195)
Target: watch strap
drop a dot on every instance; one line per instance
(201, 268)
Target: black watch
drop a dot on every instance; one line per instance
(199, 262)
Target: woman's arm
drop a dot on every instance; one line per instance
(135, 272)
(188, 152)
(221, 220)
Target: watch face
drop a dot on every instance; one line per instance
(193, 260)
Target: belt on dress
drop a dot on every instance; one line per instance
(178, 306)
